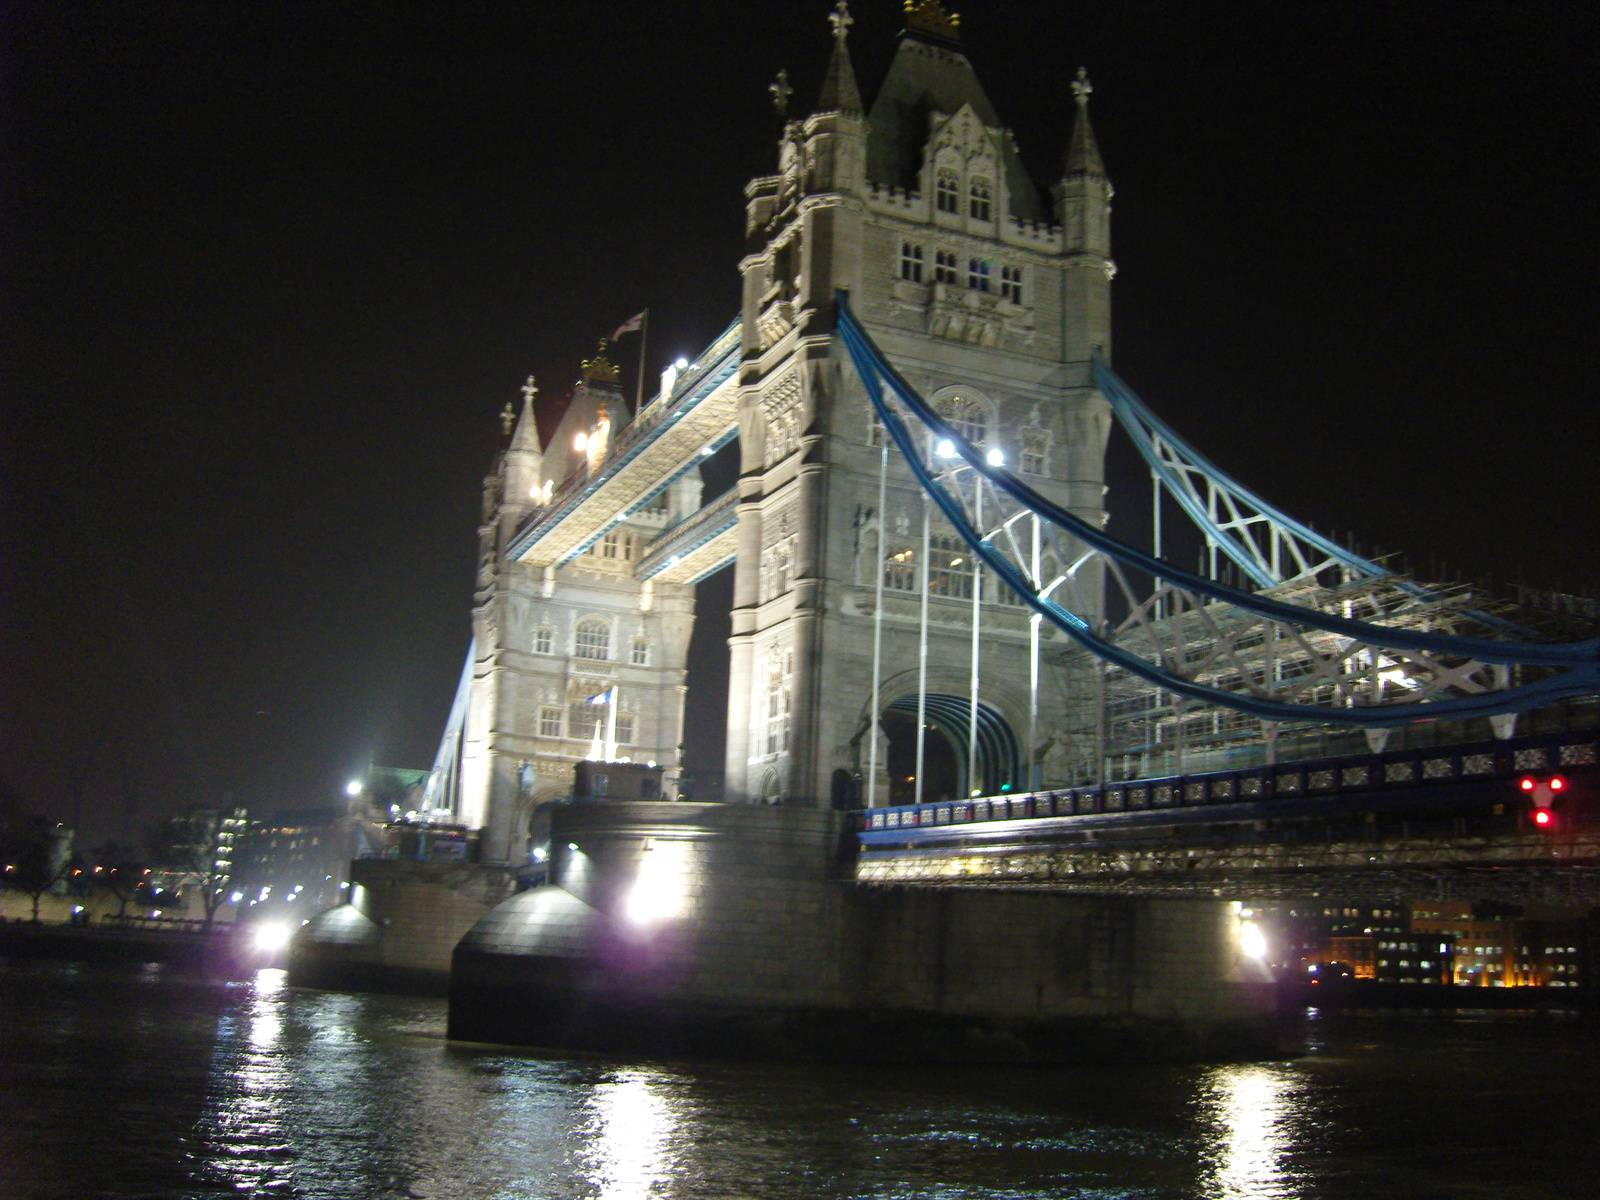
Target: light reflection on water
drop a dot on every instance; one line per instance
(1250, 1107)
(256, 1089)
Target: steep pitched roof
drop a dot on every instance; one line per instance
(839, 90)
(928, 77)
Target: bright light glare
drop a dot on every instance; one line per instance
(353, 788)
(581, 442)
(681, 363)
(1251, 940)
(657, 893)
(945, 449)
(540, 854)
(272, 935)
(1542, 817)
(996, 458)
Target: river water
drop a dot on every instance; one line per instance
(140, 1082)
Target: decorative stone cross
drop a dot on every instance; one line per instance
(1081, 87)
(841, 19)
(508, 418)
(781, 91)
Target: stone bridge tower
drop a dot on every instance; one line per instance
(990, 301)
(571, 661)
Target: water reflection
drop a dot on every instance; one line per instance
(1251, 1109)
(631, 1149)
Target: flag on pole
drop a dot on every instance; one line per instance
(603, 698)
(631, 325)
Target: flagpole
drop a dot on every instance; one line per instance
(644, 325)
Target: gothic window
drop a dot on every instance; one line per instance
(900, 571)
(628, 545)
(550, 721)
(639, 655)
(624, 729)
(911, 262)
(978, 196)
(977, 275)
(1011, 284)
(947, 192)
(944, 266)
(949, 567)
(585, 721)
(1035, 451)
(965, 416)
(610, 545)
(543, 640)
(593, 639)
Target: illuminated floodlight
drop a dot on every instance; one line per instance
(272, 935)
(573, 846)
(996, 458)
(540, 854)
(236, 897)
(581, 442)
(1251, 940)
(707, 450)
(945, 449)
(681, 364)
(353, 788)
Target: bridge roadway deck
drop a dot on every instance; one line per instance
(1437, 823)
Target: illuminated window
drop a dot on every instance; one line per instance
(639, 655)
(977, 275)
(947, 192)
(543, 640)
(550, 721)
(593, 639)
(949, 567)
(944, 266)
(1011, 284)
(978, 197)
(911, 262)
(900, 571)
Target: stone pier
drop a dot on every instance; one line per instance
(734, 930)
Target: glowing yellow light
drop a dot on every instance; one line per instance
(581, 442)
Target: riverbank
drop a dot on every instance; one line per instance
(225, 949)
(1295, 995)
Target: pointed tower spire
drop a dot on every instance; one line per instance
(1083, 152)
(527, 435)
(839, 90)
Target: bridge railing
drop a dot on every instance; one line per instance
(1412, 768)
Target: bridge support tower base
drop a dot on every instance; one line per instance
(734, 931)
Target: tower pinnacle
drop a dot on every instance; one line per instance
(839, 90)
(1083, 153)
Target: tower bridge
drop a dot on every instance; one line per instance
(932, 626)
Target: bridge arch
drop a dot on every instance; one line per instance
(999, 757)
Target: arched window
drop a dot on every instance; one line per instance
(947, 192)
(593, 639)
(966, 415)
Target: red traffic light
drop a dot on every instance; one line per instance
(1557, 783)
(1542, 817)
(1527, 783)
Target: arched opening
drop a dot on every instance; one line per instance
(999, 766)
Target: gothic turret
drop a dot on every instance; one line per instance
(524, 465)
(1083, 208)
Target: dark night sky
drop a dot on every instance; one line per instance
(271, 271)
